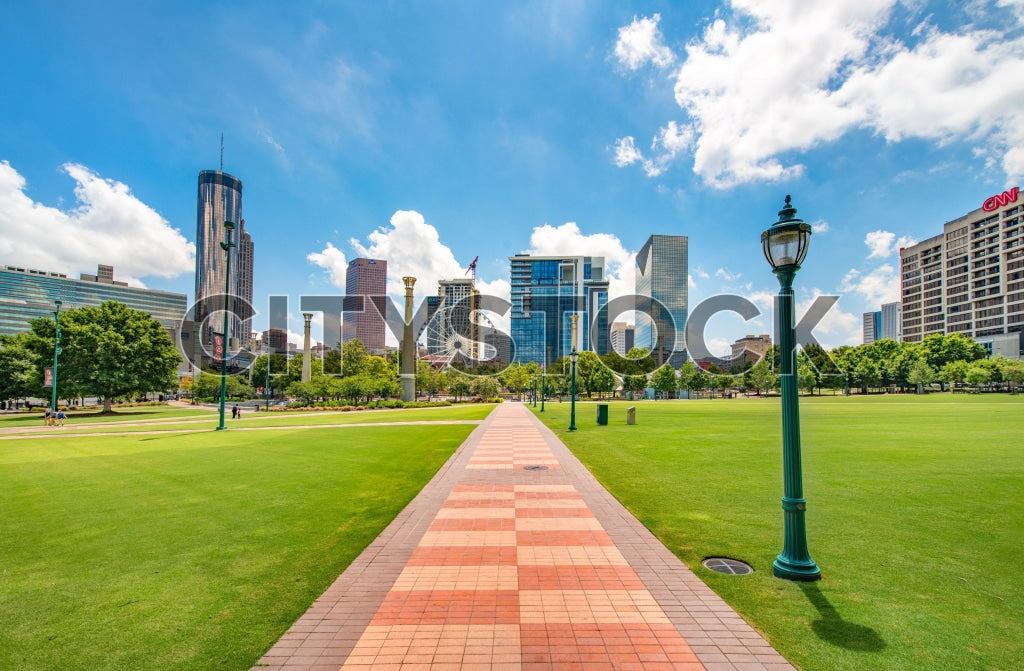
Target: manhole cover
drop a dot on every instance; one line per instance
(535, 468)
(726, 565)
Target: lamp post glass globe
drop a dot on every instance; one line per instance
(785, 246)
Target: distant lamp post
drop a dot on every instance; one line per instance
(56, 351)
(226, 246)
(785, 246)
(543, 387)
(266, 387)
(573, 358)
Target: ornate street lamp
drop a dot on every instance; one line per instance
(785, 245)
(226, 246)
(56, 351)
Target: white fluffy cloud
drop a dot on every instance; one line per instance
(884, 243)
(878, 286)
(640, 43)
(412, 247)
(778, 77)
(108, 226)
(548, 240)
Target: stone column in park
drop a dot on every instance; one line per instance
(408, 348)
(307, 359)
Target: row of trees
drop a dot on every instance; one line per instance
(110, 351)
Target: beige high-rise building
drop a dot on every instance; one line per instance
(970, 278)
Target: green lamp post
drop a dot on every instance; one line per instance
(56, 351)
(785, 245)
(266, 388)
(226, 246)
(543, 387)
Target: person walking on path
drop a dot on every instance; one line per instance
(60, 417)
(234, 412)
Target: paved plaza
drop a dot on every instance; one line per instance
(514, 557)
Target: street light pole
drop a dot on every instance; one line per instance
(56, 351)
(785, 246)
(266, 388)
(226, 246)
(573, 356)
(543, 387)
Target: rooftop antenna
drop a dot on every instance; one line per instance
(222, 152)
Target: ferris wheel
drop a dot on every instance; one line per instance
(456, 333)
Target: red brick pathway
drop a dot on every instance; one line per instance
(494, 566)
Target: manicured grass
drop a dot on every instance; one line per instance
(915, 517)
(88, 416)
(251, 420)
(190, 551)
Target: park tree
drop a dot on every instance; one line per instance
(977, 375)
(805, 379)
(485, 387)
(353, 357)
(940, 350)
(459, 383)
(762, 377)
(954, 372)
(16, 367)
(428, 378)
(110, 350)
(602, 380)
(586, 366)
(665, 380)
(921, 374)
(516, 378)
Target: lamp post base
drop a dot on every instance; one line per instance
(788, 569)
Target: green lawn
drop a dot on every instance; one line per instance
(915, 517)
(192, 551)
(92, 415)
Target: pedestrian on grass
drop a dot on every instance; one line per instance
(60, 417)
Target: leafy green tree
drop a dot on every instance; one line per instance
(353, 355)
(762, 377)
(976, 375)
(110, 350)
(921, 374)
(428, 378)
(1012, 371)
(664, 379)
(485, 387)
(867, 375)
(641, 360)
(602, 380)
(459, 384)
(941, 349)
(634, 383)
(586, 366)
(16, 367)
(516, 378)
(954, 372)
(805, 379)
(722, 382)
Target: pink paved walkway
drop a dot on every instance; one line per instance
(496, 566)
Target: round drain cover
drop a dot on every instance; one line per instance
(726, 565)
(535, 468)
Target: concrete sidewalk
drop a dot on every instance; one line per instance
(514, 557)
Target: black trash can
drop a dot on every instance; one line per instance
(602, 414)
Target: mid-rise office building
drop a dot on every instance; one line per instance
(970, 278)
(872, 326)
(891, 327)
(220, 201)
(546, 292)
(662, 290)
(449, 327)
(367, 278)
(622, 337)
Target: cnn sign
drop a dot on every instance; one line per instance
(1001, 200)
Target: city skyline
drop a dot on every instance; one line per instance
(432, 136)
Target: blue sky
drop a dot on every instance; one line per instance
(433, 133)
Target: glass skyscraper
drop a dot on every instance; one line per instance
(546, 291)
(220, 200)
(662, 289)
